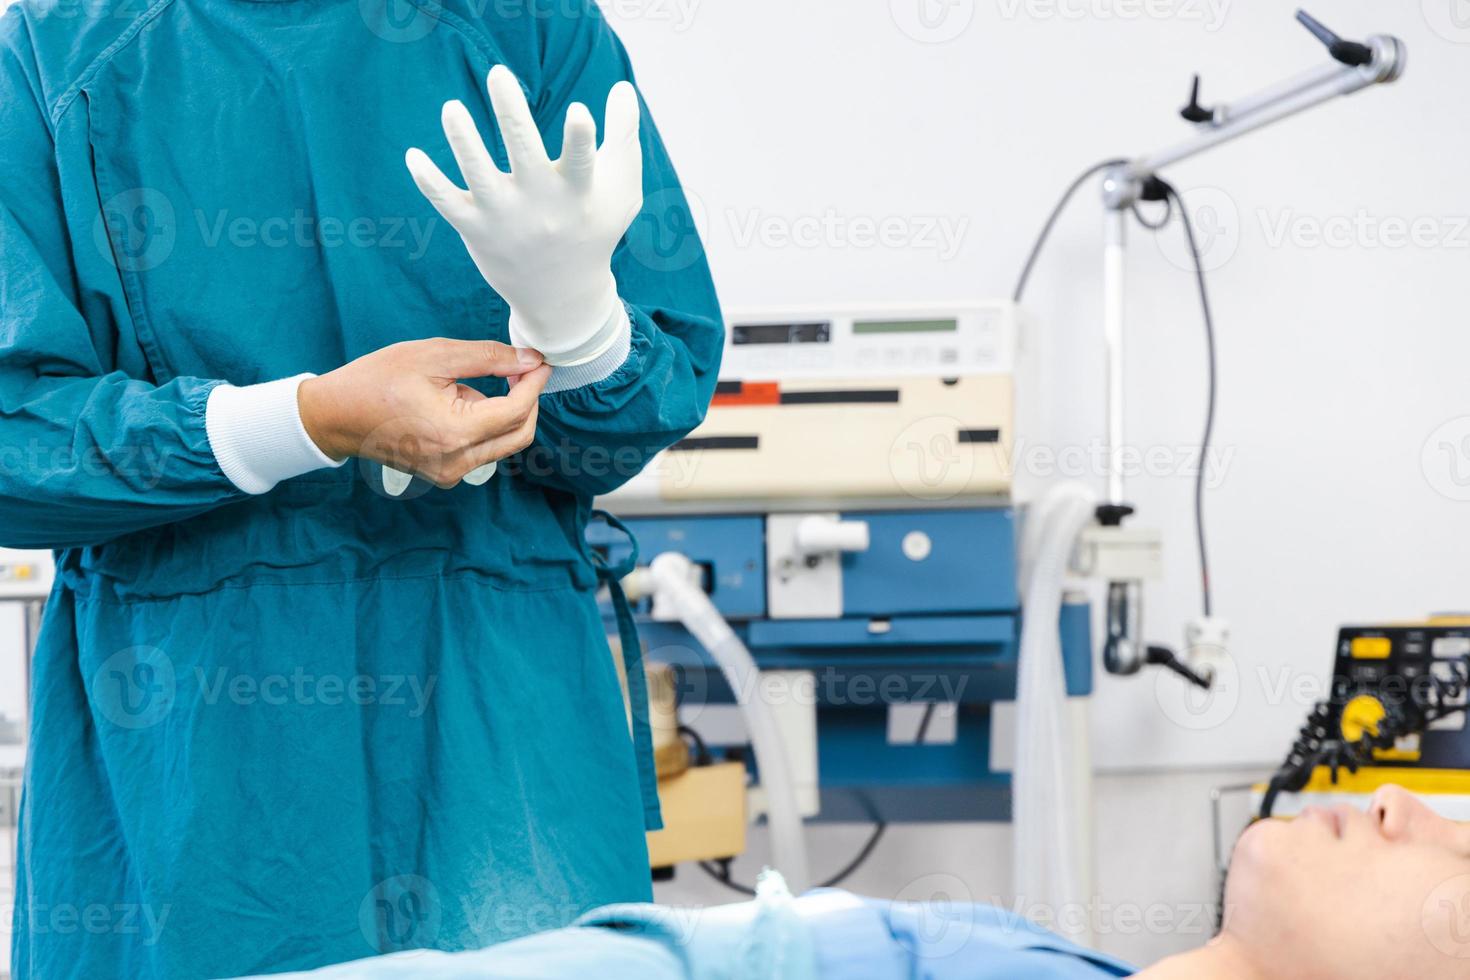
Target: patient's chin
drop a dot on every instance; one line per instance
(1258, 866)
(1305, 909)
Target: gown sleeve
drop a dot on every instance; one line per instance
(87, 452)
(600, 424)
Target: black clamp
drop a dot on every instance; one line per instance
(1112, 515)
(1350, 53)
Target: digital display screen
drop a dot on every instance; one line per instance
(780, 333)
(905, 326)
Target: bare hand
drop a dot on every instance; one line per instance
(404, 406)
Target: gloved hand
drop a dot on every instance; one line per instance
(544, 234)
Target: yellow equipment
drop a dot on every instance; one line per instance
(1395, 714)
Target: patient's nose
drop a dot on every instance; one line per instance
(1400, 815)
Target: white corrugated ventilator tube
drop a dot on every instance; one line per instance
(673, 581)
(1050, 866)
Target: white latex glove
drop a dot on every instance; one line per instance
(543, 235)
(396, 481)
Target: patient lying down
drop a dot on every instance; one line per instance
(1334, 894)
(1343, 893)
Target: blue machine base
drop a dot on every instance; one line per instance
(865, 779)
(943, 631)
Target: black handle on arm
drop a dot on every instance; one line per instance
(1164, 657)
(1348, 52)
(1194, 112)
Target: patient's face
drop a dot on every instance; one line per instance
(1344, 893)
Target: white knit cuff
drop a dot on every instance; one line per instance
(257, 435)
(591, 371)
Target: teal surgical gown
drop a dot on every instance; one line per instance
(272, 732)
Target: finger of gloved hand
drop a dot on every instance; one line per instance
(480, 475)
(620, 127)
(477, 359)
(578, 146)
(395, 481)
(481, 174)
(517, 126)
(451, 201)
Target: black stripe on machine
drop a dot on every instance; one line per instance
(862, 396)
(979, 435)
(715, 442)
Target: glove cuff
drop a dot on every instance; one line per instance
(584, 373)
(597, 331)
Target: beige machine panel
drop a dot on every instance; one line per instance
(704, 815)
(917, 438)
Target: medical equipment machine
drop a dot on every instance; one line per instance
(1394, 712)
(841, 535)
(911, 404)
(1126, 557)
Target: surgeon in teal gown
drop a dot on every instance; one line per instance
(280, 726)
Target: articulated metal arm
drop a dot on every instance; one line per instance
(1354, 66)
(1272, 104)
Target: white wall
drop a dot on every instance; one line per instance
(1341, 364)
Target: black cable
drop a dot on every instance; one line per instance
(862, 855)
(880, 826)
(1155, 225)
(1204, 449)
(722, 872)
(1174, 200)
(722, 875)
(1052, 220)
(701, 751)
